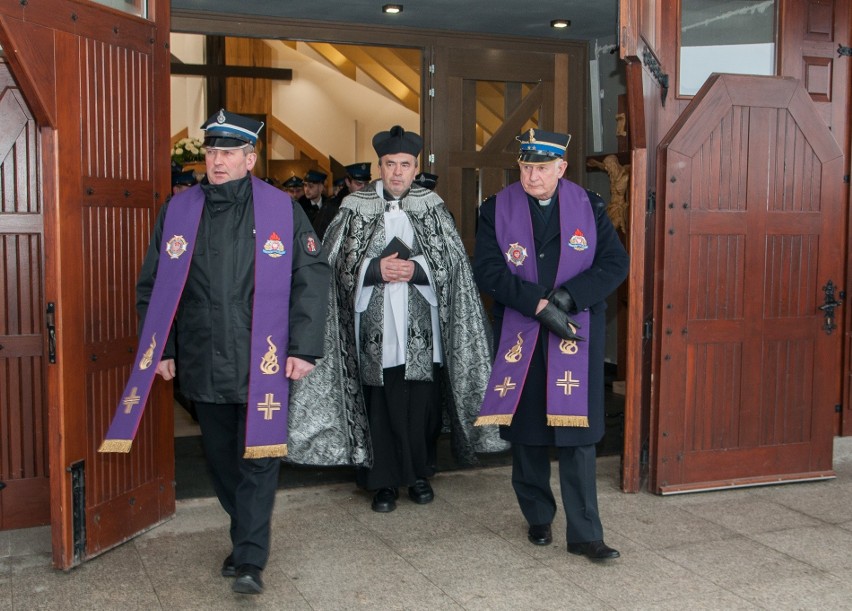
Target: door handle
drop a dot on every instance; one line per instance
(50, 321)
(828, 306)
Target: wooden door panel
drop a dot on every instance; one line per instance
(750, 241)
(125, 493)
(811, 32)
(106, 161)
(24, 501)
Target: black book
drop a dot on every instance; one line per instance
(396, 245)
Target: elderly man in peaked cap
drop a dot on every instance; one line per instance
(404, 313)
(548, 255)
(251, 304)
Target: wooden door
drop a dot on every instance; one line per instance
(97, 82)
(812, 32)
(24, 485)
(487, 98)
(749, 374)
(644, 101)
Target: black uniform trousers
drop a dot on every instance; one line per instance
(577, 481)
(245, 487)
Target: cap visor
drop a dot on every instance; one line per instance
(224, 144)
(537, 158)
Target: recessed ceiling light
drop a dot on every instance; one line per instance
(392, 9)
(560, 23)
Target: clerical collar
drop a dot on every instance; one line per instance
(545, 202)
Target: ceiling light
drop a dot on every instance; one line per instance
(392, 9)
(560, 23)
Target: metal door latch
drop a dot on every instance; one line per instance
(828, 306)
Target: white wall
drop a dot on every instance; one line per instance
(188, 106)
(335, 114)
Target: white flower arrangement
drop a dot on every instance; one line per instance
(187, 150)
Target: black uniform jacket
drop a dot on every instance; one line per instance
(211, 335)
(589, 290)
(321, 218)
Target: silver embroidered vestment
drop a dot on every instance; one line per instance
(330, 399)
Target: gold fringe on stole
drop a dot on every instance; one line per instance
(116, 445)
(504, 419)
(580, 421)
(279, 450)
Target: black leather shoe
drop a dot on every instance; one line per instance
(248, 580)
(228, 568)
(384, 500)
(593, 550)
(421, 492)
(539, 534)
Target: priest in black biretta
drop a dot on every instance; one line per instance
(397, 140)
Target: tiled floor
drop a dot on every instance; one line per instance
(777, 547)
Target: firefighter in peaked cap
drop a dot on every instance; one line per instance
(239, 316)
(548, 255)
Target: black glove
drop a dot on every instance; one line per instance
(562, 299)
(559, 322)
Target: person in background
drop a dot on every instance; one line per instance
(234, 351)
(295, 187)
(319, 208)
(405, 321)
(426, 180)
(181, 181)
(357, 177)
(337, 186)
(548, 255)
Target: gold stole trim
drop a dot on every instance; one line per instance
(116, 445)
(556, 420)
(275, 451)
(502, 419)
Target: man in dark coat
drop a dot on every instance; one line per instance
(211, 346)
(319, 208)
(548, 255)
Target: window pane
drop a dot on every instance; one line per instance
(735, 36)
(133, 7)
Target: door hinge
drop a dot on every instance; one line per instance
(431, 158)
(838, 408)
(846, 178)
(841, 51)
(2, 485)
(647, 329)
(431, 92)
(431, 68)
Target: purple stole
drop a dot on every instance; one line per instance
(567, 360)
(266, 420)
